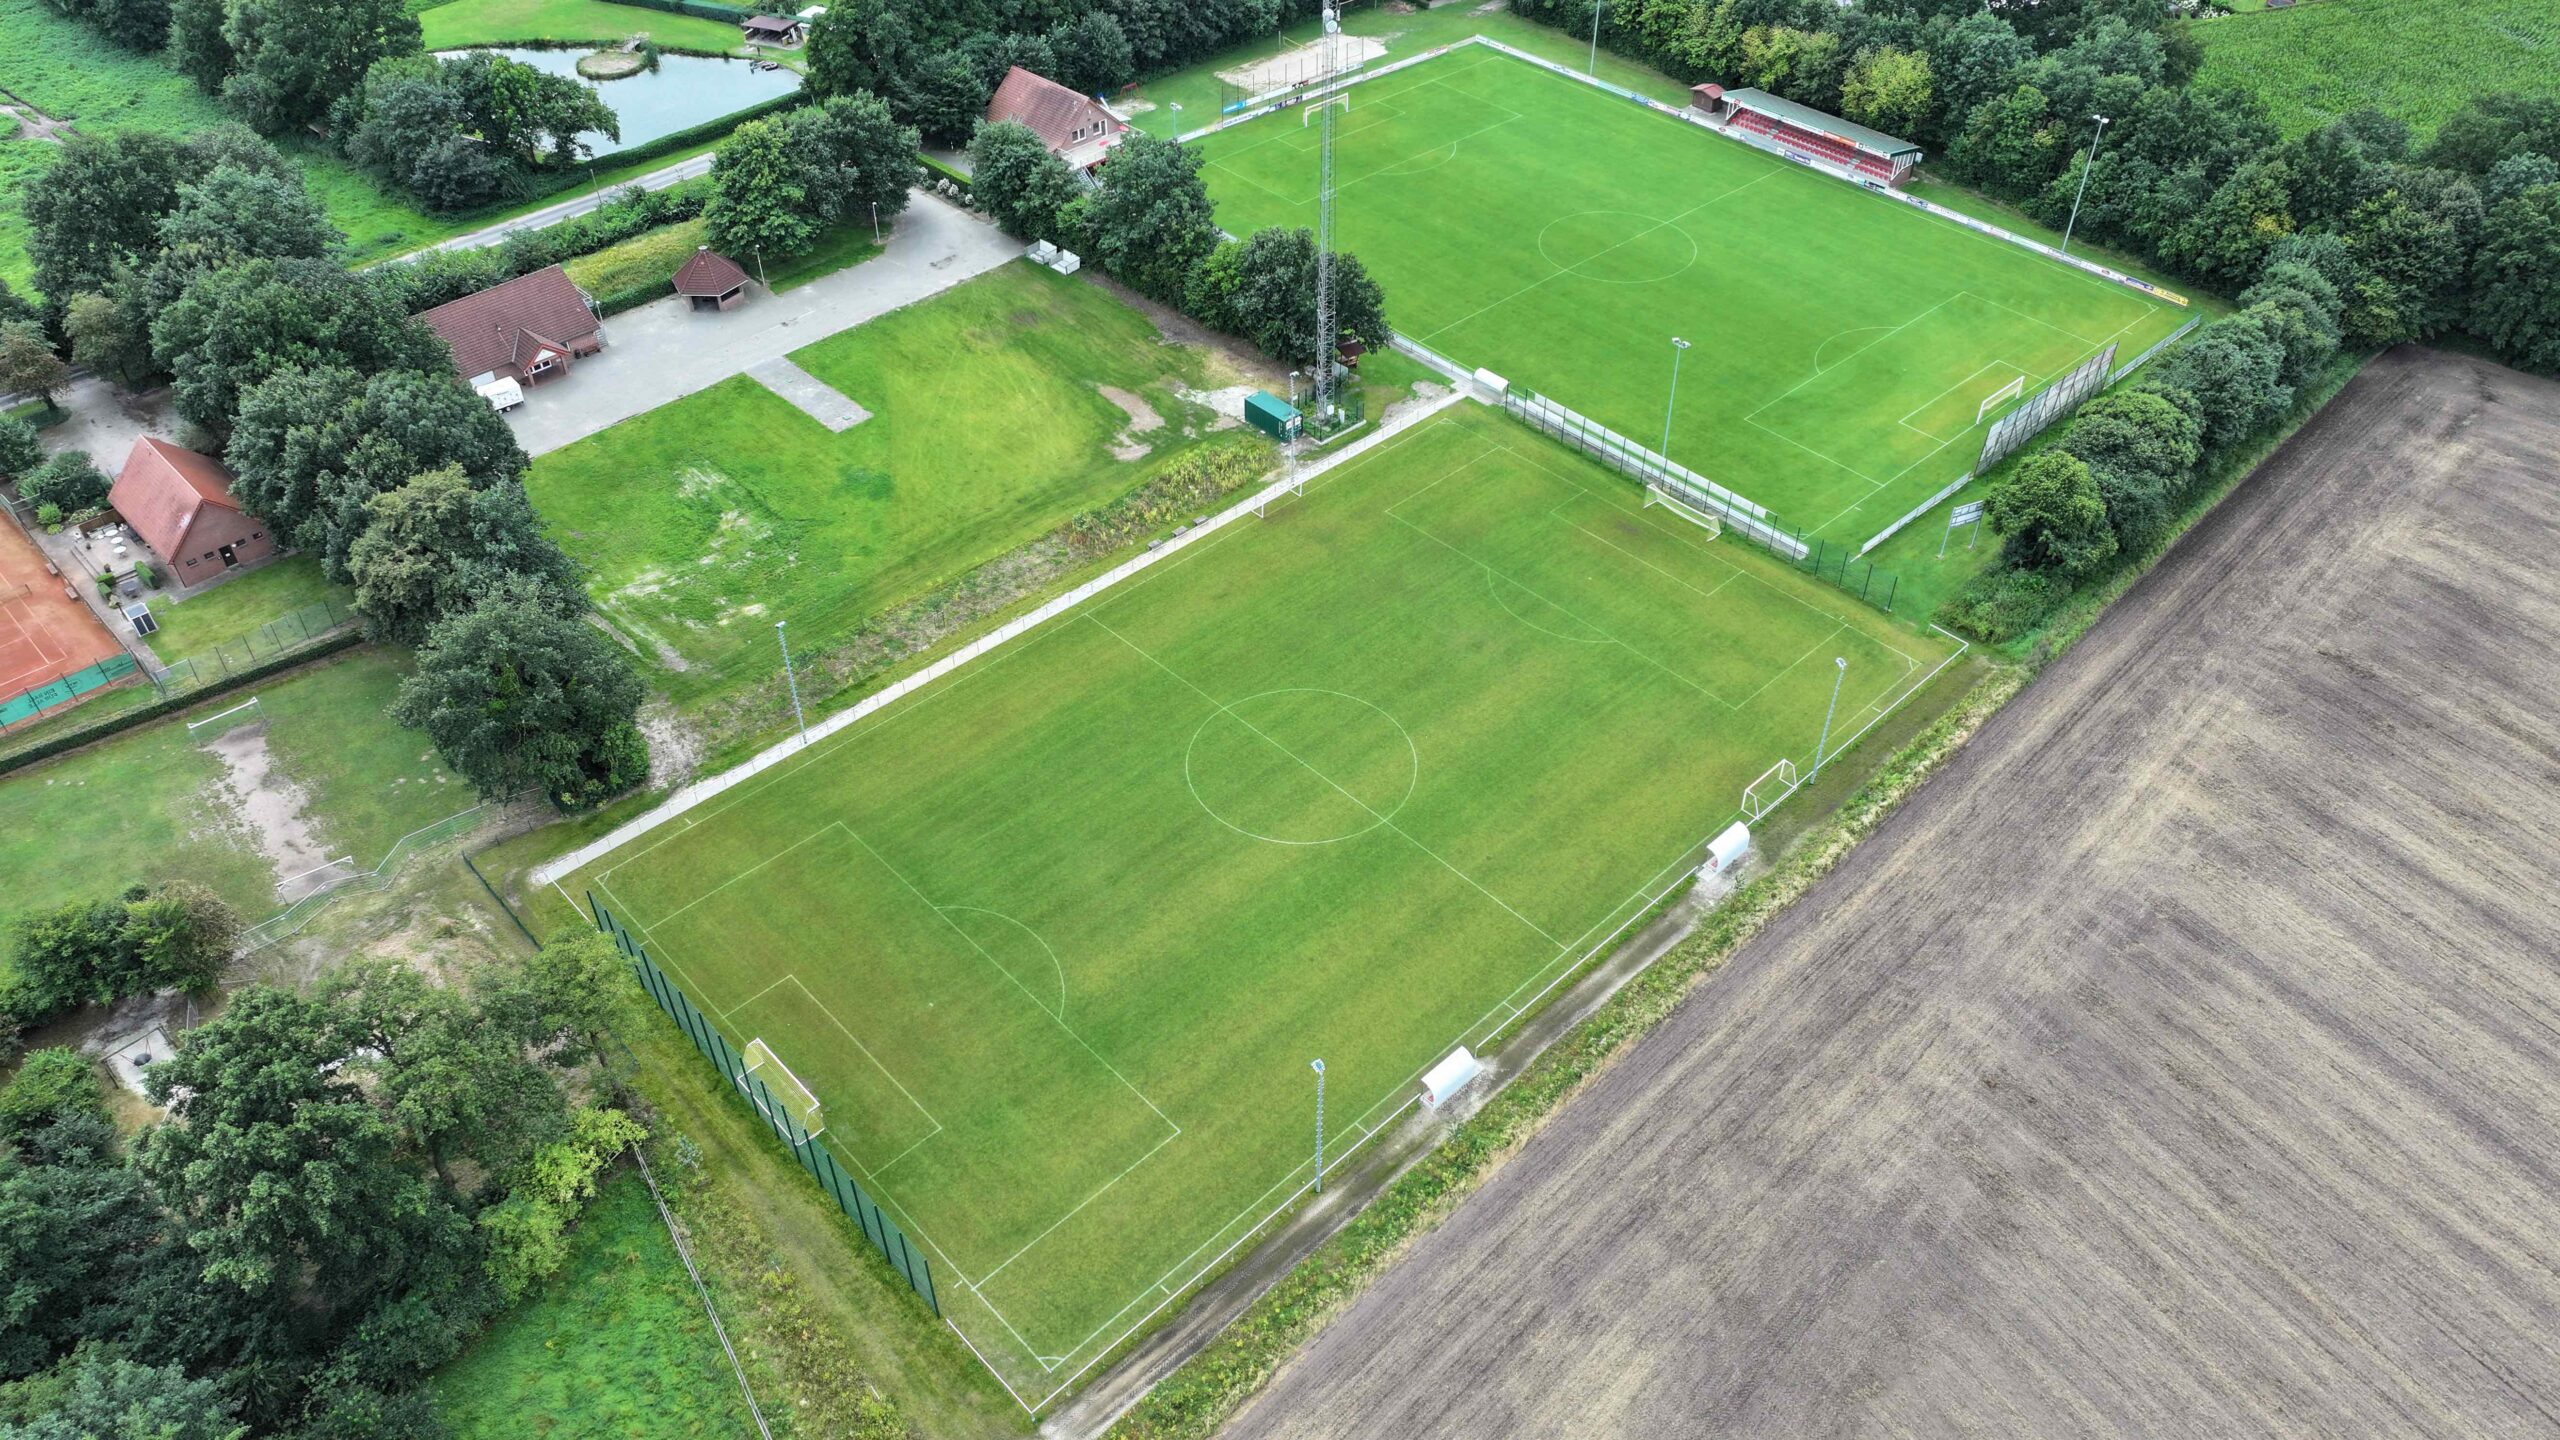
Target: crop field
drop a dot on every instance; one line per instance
(2417, 59)
(1526, 223)
(1055, 941)
(705, 521)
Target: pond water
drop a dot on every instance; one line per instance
(684, 91)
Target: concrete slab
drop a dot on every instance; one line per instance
(815, 398)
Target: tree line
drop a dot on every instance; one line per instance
(348, 1186)
(348, 431)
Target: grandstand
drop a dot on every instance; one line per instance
(1804, 133)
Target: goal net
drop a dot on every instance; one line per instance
(1775, 784)
(796, 1100)
(2000, 397)
(1704, 519)
(247, 712)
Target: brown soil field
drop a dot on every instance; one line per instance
(2183, 1060)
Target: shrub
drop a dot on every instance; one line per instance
(54, 1081)
(2002, 604)
(67, 480)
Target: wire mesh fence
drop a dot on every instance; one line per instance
(289, 921)
(29, 705)
(906, 1258)
(278, 637)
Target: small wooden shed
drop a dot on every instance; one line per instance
(711, 281)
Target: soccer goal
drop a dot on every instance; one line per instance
(1775, 784)
(1706, 520)
(247, 712)
(797, 1100)
(2000, 397)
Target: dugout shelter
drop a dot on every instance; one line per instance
(1809, 134)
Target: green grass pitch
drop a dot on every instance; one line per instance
(1055, 940)
(1561, 236)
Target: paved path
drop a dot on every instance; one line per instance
(570, 209)
(2183, 1061)
(666, 351)
(815, 398)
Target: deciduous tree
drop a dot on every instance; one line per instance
(1152, 220)
(27, 361)
(435, 545)
(2049, 513)
(519, 697)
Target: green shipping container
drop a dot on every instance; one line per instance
(1271, 415)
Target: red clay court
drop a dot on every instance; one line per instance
(44, 633)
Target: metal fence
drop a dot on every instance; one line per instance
(288, 922)
(280, 636)
(2044, 407)
(883, 1232)
(62, 690)
(2163, 343)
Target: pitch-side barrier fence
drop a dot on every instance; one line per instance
(288, 922)
(907, 1259)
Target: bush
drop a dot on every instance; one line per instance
(69, 481)
(53, 1082)
(2002, 604)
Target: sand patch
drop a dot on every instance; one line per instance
(1301, 65)
(274, 809)
(1142, 418)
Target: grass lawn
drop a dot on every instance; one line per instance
(1842, 342)
(2418, 59)
(647, 259)
(616, 1345)
(238, 613)
(1055, 940)
(460, 24)
(843, 246)
(705, 521)
(152, 804)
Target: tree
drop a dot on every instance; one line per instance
(1152, 220)
(1973, 57)
(2410, 267)
(2515, 278)
(2228, 239)
(865, 161)
(2490, 128)
(235, 327)
(947, 96)
(2141, 450)
(80, 1239)
(2050, 515)
(51, 1084)
(457, 1086)
(114, 1397)
(20, 448)
(2007, 145)
(111, 333)
(27, 363)
(68, 482)
(176, 938)
(760, 200)
(1092, 54)
(861, 45)
(198, 47)
(14, 306)
(2518, 173)
(523, 114)
(519, 697)
(292, 59)
(236, 214)
(180, 936)
(2233, 370)
(528, 1231)
(1888, 89)
(1263, 288)
(58, 956)
(435, 545)
(1026, 188)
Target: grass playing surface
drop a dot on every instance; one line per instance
(1055, 941)
(1524, 222)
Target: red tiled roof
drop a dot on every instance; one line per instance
(162, 489)
(770, 24)
(1049, 108)
(709, 273)
(504, 324)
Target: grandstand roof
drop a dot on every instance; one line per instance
(1805, 117)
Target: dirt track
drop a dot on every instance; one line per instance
(2184, 1060)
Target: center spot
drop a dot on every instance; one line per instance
(1301, 766)
(1618, 246)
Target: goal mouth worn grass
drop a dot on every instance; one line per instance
(1843, 344)
(1054, 940)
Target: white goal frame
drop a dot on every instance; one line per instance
(2010, 391)
(812, 1118)
(1705, 520)
(196, 727)
(1774, 785)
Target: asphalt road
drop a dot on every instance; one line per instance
(2184, 1060)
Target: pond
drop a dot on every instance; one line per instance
(684, 91)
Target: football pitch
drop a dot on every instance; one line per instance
(1056, 940)
(1561, 236)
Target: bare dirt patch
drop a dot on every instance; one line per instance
(2179, 1061)
(273, 810)
(1142, 418)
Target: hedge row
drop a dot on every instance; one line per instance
(158, 709)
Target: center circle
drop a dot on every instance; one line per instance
(1301, 766)
(1618, 247)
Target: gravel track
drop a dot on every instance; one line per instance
(2184, 1060)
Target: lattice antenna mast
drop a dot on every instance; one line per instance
(1327, 340)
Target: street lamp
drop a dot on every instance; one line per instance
(1677, 346)
(875, 222)
(1824, 744)
(2094, 138)
(1594, 67)
(790, 676)
(1319, 1069)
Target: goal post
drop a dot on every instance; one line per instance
(796, 1099)
(1997, 398)
(247, 712)
(1706, 520)
(1775, 784)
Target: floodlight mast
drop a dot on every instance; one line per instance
(1328, 343)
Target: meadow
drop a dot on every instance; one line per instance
(2417, 59)
(616, 1345)
(1841, 344)
(704, 522)
(458, 24)
(1055, 941)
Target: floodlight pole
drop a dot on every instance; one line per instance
(1594, 67)
(875, 222)
(2100, 134)
(1319, 1069)
(792, 677)
(1840, 674)
(1678, 345)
